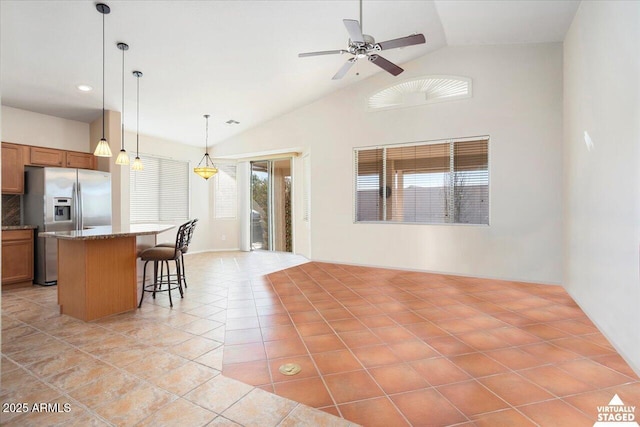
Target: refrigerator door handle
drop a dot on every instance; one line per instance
(74, 195)
(80, 219)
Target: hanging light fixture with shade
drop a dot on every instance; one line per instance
(123, 157)
(137, 163)
(103, 149)
(207, 170)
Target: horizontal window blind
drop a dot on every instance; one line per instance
(226, 194)
(433, 183)
(471, 182)
(369, 173)
(159, 192)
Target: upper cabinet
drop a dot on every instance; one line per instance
(75, 159)
(16, 156)
(12, 169)
(40, 156)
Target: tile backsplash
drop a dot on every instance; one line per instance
(11, 209)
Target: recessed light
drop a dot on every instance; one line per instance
(84, 88)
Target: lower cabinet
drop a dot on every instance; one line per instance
(17, 256)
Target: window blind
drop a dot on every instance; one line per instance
(160, 192)
(444, 182)
(226, 195)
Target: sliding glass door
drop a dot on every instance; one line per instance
(270, 214)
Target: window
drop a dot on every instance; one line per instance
(160, 192)
(434, 183)
(420, 91)
(225, 196)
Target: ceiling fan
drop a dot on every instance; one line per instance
(364, 46)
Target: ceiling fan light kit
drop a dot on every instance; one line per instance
(364, 46)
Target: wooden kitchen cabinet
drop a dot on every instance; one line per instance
(12, 169)
(40, 156)
(17, 257)
(76, 159)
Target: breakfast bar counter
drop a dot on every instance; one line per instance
(97, 274)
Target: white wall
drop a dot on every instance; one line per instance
(602, 182)
(517, 101)
(29, 128)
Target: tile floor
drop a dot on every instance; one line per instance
(153, 367)
(376, 347)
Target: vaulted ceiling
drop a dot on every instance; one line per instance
(231, 59)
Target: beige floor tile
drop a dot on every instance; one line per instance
(155, 364)
(212, 359)
(185, 378)
(303, 416)
(179, 413)
(135, 405)
(218, 394)
(7, 366)
(223, 422)
(40, 352)
(201, 326)
(194, 347)
(81, 374)
(28, 343)
(125, 356)
(260, 408)
(105, 389)
(19, 332)
(58, 362)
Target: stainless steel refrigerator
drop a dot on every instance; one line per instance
(61, 199)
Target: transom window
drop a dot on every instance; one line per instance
(432, 183)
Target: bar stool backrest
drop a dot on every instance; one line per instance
(192, 228)
(181, 236)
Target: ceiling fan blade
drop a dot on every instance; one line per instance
(345, 68)
(323, 52)
(401, 42)
(353, 28)
(388, 66)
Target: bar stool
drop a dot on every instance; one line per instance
(184, 249)
(163, 255)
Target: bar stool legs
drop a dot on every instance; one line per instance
(162, 279)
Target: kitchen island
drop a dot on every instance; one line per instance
(97, 274)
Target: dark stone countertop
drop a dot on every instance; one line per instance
(18, 227)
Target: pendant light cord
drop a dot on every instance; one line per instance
(206, 138)
(103, 56)
(137, 115)
(122, 142)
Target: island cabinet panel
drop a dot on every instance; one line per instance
(96, 278)
(17, 257)
(76, 159)
(12, 169)
(40, 156)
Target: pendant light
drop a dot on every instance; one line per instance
(137, 163)
(209, 169)
(103, 149)
(123, 157)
